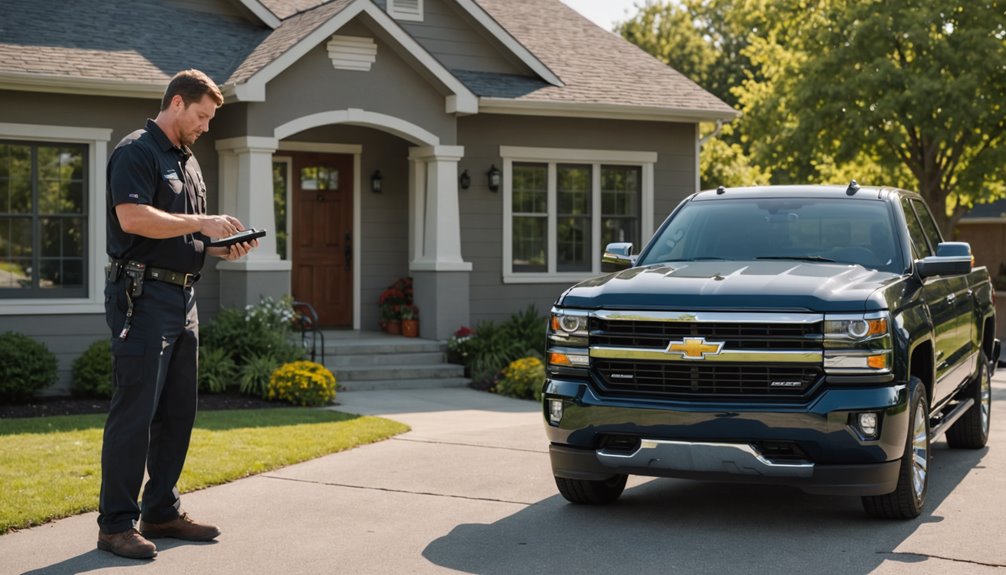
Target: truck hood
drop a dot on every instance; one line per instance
(732, 285)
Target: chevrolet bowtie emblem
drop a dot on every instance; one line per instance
(695, 347)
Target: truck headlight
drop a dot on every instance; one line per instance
(858, 343)
(567, 339)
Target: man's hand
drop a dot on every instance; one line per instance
(234, 251)
(220, 226)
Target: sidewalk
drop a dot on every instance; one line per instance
(470, 457)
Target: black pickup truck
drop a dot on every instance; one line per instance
(814, 336)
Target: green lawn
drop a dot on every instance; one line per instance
(50, 467)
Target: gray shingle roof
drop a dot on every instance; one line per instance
(141, 41)
(596, 66)
(147, 41)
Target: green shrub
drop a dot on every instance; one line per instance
(255, 375)
(303, 383)
(92, 371)
(523, 379)
(493, 346)
(257, 330)
(217, 371)
(26, 366)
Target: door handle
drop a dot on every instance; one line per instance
(347, 251)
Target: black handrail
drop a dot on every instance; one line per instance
(308, 322)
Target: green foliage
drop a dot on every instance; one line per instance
(493, 346)
(242, 336)
(255, 373)
(522, 379)
(217, 371)
(26, 366)
(304, 383)
(92, 371)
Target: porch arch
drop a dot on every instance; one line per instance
(397, 126)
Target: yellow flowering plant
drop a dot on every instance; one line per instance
(305, 383)
(523, 378)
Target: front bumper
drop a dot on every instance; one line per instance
(728, 441)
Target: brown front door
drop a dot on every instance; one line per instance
(322, 235)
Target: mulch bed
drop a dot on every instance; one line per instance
(44, 406)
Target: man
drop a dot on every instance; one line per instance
(157, 234)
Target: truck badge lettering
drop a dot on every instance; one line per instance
(695, 347)
(785, 384)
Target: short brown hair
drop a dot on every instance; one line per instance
(191, 85)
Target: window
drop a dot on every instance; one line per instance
(52, 220)
(561, 207)
(280, 192)
(920, 247)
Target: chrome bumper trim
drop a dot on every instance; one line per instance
(732, 458)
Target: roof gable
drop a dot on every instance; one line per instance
(300, 33)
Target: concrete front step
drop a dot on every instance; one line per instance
(373, 361)
(392, 384)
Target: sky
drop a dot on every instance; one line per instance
(605, 13)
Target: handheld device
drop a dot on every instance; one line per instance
(242, 236)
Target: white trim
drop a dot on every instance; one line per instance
(258, 143)
(985, 220)
(391, 124)
(464, 102)
(599, 110)
(262, 13)
(320, 147)
(96, 140)
(58, 84)
(511, 43)
(645, 160)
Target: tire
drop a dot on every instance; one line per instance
(591, 492)
(909, 498)
(971, 431)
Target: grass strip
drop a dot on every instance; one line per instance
(50, 467)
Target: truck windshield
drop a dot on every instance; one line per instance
(843, 230)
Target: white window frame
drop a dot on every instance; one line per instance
(96, 140)
(553, 157)
(406, 15)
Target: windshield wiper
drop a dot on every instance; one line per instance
(798, 258)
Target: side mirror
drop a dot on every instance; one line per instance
(951, 259)
(617, 257)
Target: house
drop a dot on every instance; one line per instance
(489, 149)
(984, 227)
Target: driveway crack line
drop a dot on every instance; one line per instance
(391, 490)
(537, 451)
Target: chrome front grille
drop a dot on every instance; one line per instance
(766, 357)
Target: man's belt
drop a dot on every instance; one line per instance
(114, 271)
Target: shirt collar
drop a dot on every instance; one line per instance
(163, 141)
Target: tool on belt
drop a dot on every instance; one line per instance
(135, 273)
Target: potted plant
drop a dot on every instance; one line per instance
(392, 299)
(410, 320)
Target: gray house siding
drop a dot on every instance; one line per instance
(450, 35)
(392, 87)
(482, 210)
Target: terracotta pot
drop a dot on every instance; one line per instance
(410, 327)
(393, 327)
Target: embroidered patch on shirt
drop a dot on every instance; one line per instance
(170, 175)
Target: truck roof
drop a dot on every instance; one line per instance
(853, 190)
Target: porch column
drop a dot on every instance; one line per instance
(440, 276)
(246, 193)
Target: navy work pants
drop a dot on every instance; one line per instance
(153, 404)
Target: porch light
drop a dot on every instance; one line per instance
(465, 180)
(495, 178)
(375, 182)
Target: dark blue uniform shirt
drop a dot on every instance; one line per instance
(146, 168)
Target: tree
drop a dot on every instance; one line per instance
(916, 85)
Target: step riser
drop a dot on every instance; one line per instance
(369, 360)
(425, 372)
(396, 384)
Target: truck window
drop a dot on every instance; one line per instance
(929, 226)
(840, 230)
(920, 245)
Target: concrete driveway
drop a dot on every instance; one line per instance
(469, 490)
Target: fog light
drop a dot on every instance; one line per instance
(554, 411)
(868, 424)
